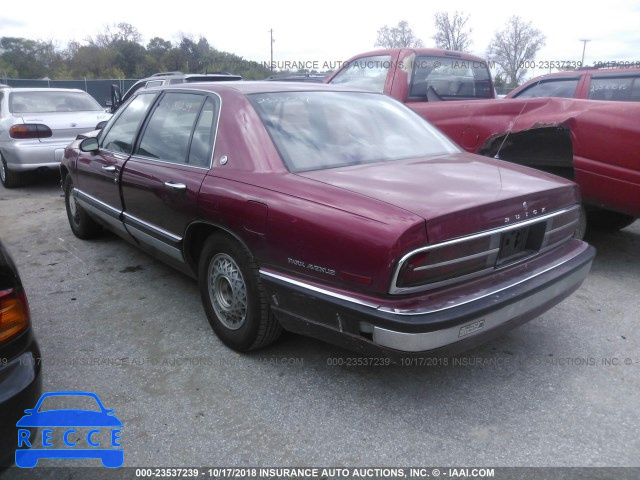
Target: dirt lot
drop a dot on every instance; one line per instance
(561, 390)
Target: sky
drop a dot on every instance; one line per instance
(334, 30)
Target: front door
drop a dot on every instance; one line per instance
(99, 172)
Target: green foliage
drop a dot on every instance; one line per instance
(118, 53)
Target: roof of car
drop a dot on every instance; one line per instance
(589, 70)
(263, 86)
(423, 51)
(298, 77)
(41, 89)
(187, 76)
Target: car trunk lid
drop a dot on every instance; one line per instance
(458, 194)
(66, 125)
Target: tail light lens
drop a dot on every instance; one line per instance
(464, 258)
(14, 313)
(441, 263)
(30, 130)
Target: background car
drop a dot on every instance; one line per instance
(329, 211)
(298, 77)
(618, 84)
(36, 124)
(20, 369)
(167, 78)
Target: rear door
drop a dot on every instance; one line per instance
(161, 180)
(98, 179)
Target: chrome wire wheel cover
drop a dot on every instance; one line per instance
(227, 291)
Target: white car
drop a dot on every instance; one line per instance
(36, 124)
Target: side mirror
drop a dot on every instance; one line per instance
(89, 145)
(116, 97)
(101, 125)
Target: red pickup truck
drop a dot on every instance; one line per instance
(594, 143)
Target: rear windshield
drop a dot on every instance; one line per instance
(53, 101)
(319, 130)
(450, 78)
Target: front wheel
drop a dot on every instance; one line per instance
(233, 296)
(82, 225)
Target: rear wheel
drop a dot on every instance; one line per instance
(233, 296)
(8, 178)
(608, 221)
(82, 225)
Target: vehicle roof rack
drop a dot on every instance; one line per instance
(160, 74)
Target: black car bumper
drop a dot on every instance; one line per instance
(427, 326)
(20, 388)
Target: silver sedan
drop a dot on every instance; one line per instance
(36, 124)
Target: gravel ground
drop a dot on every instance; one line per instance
(561, 390)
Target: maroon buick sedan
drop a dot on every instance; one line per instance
(330, 212)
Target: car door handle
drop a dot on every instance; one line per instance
(175, 186)
(109, 168)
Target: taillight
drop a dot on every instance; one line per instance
(464, 258)
(441, 263)
(14, 313)
(30, 130)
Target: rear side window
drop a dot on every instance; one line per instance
(625, 89)
(450, 79)
(203, 136)
(563, 88)
(168, 134)
(369, 73)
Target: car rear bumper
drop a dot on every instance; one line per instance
(20, 388)
(31, 155)
(427, 325)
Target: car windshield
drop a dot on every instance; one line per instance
(451, 78)
(52, 101)
(319, 130)
(65, 402)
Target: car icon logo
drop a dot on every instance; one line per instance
(69, 433)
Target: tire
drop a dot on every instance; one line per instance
(233, 296)
(608, 221)
(8, 178)
(82, 225)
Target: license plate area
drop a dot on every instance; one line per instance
(520, 243)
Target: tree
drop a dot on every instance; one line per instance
(397, 37)
(451, 33)
(25, 56)
(129, 57)
(122, 32)
(512, 48)
(158, 47)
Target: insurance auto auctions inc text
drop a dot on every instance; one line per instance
(349, 473)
